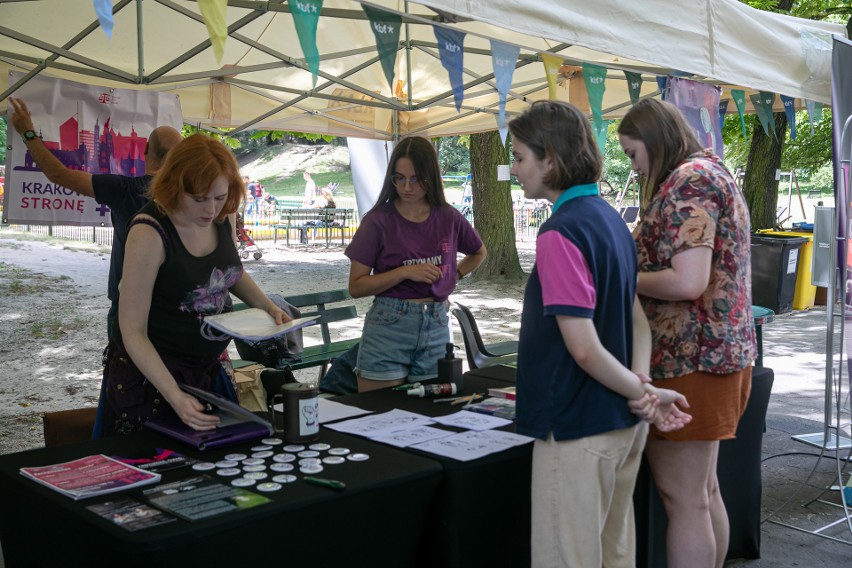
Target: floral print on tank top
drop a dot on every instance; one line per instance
(699, 204)
(211, 298)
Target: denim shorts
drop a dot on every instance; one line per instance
(403, 339)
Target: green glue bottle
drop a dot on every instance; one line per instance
(450, 369)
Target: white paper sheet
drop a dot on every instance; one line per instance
(409, 436)
(472, 420)
(471, 445)
(329, 410)
(379, 424)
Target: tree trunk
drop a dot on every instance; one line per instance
(760, 185)
(492, 208)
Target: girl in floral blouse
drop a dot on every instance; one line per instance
(695, 285)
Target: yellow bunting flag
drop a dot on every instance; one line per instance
(213, 12)
(552, 63)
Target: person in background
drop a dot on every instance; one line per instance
(325, 200)
(404, 254)
(123, 195)
(310, 190)
(583, 351)
(181, 266)
(695, 285)
(251, 200)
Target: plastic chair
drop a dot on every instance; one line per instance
(478, 354)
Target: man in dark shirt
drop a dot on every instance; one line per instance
(123, 195)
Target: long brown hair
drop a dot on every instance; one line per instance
(667, 137)
(425, 160)
(561, 131)
(191, 167)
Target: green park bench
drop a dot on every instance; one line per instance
(308, 221)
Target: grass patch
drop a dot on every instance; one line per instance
(54, 328)
(17, 281)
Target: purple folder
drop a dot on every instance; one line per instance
(237, 424)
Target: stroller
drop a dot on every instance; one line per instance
(246, 242)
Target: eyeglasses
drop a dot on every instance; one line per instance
(398, 180)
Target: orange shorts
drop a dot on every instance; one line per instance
(716, 403)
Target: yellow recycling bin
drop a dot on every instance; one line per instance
(805, 293)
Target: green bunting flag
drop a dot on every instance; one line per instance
(634, 86)
(306, 15)
(600, 134)
(762, 103)
(594, 77)
(739, 99)
(814, 113)
(385, 26)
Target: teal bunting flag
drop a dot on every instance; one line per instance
(503, 60)
(790, 111)
(762, 103)
(600, 134)
(594, 77)
(451, 51)
(634, 86)
(385, 26)
(739, 99)
(103, 9)
(306, 15)
(814, 112)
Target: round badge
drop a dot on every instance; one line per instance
(261, 448)
(242, 482)
(281, 467)
(203, 466)
(319, 447)
(236, 457)
(308, 454)
(293, 448)
(283, 458)
(256, 475)
(268, 487)
(263, 454)
(229, 472)
(258, 467)
(310, 469)
(338, 451)
(253, 461)
(358, 457)
(284, 478)
(333, 460)
(226, 464)
(272, 441)
(310, 462)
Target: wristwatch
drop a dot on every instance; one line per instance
(30, 135)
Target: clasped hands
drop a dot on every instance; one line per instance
(659, 407)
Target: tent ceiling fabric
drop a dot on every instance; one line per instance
(263, 82)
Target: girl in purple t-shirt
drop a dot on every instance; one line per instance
(404, 253)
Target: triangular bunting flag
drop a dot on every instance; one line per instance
(739, 99)
(594, 77)
(600, 134)
(213, 13)
(451, 51)
(790, 111)
(814, 112)
(723, 110)
(552, 63)
(503, 59)
(385, 26)
(306, 15)
(662, 81)
(762, 103)
(103, 9)
(634, 86)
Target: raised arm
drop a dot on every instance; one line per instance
(685, 280)
(75, 180)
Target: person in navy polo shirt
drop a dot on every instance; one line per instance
(583, 352)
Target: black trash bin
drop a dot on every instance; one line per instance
(774, 269)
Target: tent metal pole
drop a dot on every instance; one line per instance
(140, 44)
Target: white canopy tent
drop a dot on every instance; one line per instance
(263, 81)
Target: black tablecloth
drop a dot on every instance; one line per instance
(481, 513)
(304, 525)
